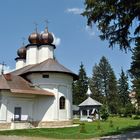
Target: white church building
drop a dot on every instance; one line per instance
(39, 92)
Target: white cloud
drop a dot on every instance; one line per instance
(6, 69)
(57, 40)
(90, 31)
(74, 10)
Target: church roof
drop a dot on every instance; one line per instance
(49, 65)
(90, 102)
(22, 70)
(17, 84)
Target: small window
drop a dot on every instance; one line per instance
(62, 102)
(45, 75)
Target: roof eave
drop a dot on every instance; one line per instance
(35, 92)
(75, 77)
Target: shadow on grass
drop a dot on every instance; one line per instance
(123, 134)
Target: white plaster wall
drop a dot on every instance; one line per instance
(63, 92)
(20, 63)
(32, 55)
(3, 110)
(54, 79)
(45, 52)
(43, 108)
(25, 104)
(61, 85)
(9, 102)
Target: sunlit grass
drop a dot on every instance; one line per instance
(114, 125)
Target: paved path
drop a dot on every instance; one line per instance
(135, 135)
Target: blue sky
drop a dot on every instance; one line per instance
(76, 42)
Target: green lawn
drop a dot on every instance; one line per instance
(114, 125)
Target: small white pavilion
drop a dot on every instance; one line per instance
(89, 109)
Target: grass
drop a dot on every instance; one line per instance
(114, 125)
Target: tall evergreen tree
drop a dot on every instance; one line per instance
(114, 19)
(80, 86)
(104, 85)
(95, 85)
(112, 97)
(123, 88)
(135, 71)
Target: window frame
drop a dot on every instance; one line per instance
(62, 103)
(45, 76)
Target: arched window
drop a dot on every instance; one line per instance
(62, 102)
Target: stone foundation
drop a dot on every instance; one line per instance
(21, 125)
(55, 123)
(5, 125)
(45, 124)
(51, 123)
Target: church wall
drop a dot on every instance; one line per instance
(60, 85)
(20, 63)
(43, 108)
(65, 90)
(9, 102)
(32, 55)
(45, 52)
(3, 109)
(26, 108)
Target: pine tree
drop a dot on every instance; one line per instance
(123, 88)
(95, 85)
(80, 86)
(135, 71)
(114, 19)
(104, 85)
(112, 97)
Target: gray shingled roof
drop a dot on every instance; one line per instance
(21, 70)
(90, 102)
(49, 65)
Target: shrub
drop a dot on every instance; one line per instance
(136, 117)
(104, 113)
(127, 110)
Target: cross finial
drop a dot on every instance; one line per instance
(23, 41)
(47, 22)
(35, 26)
(2, 67)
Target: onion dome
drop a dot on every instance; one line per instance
(21, 52)
(46, 37)
(34, 38)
